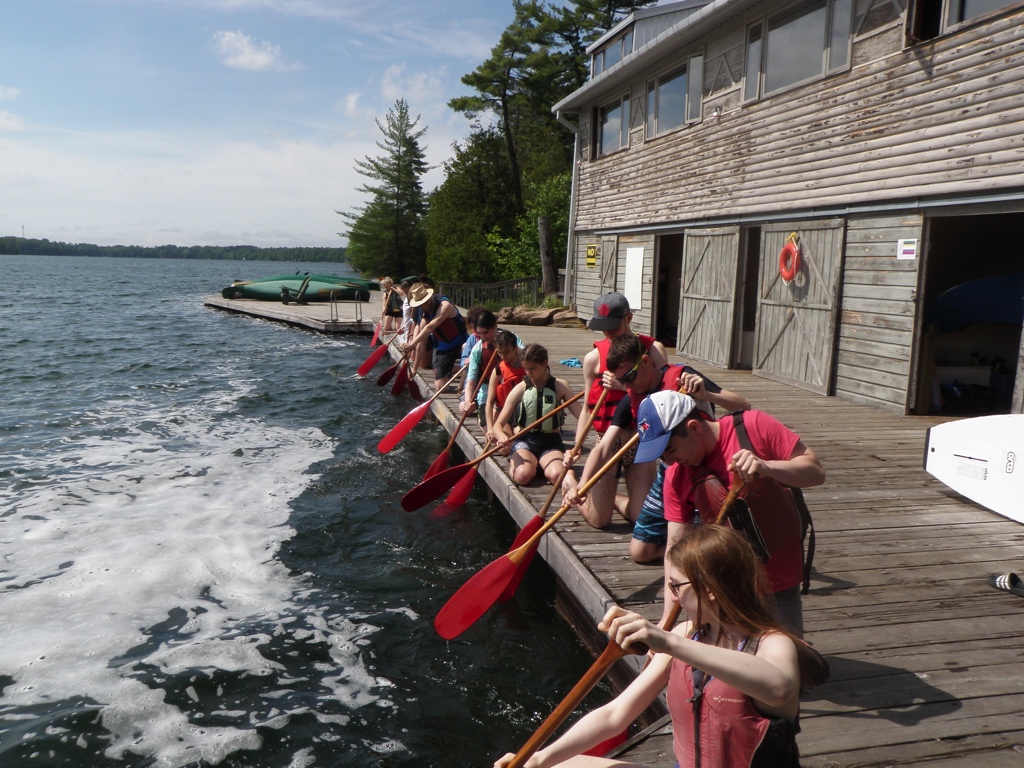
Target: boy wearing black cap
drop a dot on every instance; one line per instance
(612, 317)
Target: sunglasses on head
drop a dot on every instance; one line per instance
(629, 376)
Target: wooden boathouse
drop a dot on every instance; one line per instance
(927, 659)
(885, 138)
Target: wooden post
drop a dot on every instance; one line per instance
(548, 270)
(1017, 406)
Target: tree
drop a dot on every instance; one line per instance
(471, 203)
(387, 235)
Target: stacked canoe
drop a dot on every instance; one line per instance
(302, 288)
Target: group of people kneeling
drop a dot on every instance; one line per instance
(733, 668)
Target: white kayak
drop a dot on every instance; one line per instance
(981, 458)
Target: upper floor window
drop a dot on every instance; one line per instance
(927, 19)
(612, 52)
(796, 46)
(613, 126)
(674, 98)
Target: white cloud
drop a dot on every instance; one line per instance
(7, 93)
(239, 51)
(10, 123)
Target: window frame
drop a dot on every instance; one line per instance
(599, 55)
(622, 103)
(919, 12)
(692, 112)
(757, 70)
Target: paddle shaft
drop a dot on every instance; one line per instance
(527, 428)
(734, 492)
(612, 653)
(472, 397)
(518, 554)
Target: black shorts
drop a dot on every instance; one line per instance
(444, 363)
(538, 443)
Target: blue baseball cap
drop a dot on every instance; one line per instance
(659, 414)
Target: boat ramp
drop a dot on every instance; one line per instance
(927, 660)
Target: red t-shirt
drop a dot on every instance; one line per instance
(772, 441)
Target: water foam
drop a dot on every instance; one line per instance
(150, 547)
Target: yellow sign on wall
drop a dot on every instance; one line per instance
(591, 256)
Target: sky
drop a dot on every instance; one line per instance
(219, 122)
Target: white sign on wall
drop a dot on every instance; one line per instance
(906, 249)
(634, 285)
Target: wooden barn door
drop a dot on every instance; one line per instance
(707, 294)
(609, 265)
(796, 323)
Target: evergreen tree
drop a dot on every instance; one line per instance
(470, 204)
(387, 235)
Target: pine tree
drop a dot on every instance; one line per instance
(387, 235)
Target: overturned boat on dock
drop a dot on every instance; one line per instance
(302, 288)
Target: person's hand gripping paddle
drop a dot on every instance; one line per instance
(611, 654)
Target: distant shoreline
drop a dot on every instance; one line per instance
(13, 246)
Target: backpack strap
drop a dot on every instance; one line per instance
(806, 523)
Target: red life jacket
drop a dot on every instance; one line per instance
(718, 726)
(603, 419)
(451, 333)
(509, 378)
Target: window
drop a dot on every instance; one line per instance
(927, 19)
(612, 53)
(797, 46)
(613, 126)
(675, 97)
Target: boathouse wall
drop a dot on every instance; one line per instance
(852, 163)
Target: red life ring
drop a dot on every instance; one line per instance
(789, 261)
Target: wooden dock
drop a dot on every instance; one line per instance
(322, 316)
(926, 658)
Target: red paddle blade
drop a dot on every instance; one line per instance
(386, 376)
(433, 488)
(414, 389)
(531, 527)
(402, 428)
(376, 336)
(440, 464)
(400, 380)
(474, 598)
(372, 360)
(460, 493)
(609, 744)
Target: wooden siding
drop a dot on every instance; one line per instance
(876, 337)
(609, 274)
(939, 118)
(706, 303)
(795, 333)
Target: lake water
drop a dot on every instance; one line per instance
(203, 558)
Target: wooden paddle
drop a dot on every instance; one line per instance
(604, 662)
(402, 377)
(376, 333)
(441, 462)
(539, 519)
(432, 488)
(372, 360)
(612, 653)
(485, 588)
(414, 387)
(412, 418)
(460, 493)
(386, 376)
